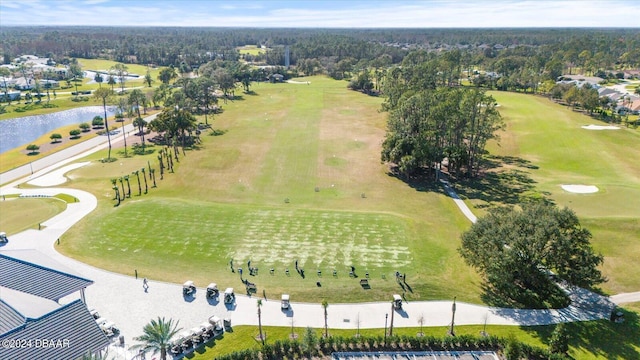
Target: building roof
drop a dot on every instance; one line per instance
(9, 318)
(27, 305)
(38, 280)
(66, 333)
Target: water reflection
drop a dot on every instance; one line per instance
(24, 130)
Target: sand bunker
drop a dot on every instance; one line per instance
(55, 177)
(600, 127)
(580, 189)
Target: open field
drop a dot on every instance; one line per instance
(544, 147)
(250, 49)
(227, 200)
(15, 219)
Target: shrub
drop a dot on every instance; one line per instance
(33, 148)
(84, 127)
(75, 133)
(55, 137)
(97, 121)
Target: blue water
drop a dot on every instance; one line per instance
(22, 131)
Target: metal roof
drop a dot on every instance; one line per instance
(27, 305)
(9, 317)
(38, 280)
(66, 333)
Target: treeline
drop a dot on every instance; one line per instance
(519, 55)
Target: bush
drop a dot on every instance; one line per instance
(84, 127)
(55, 137)
(75, 133)
(97, 121)
(33, 148)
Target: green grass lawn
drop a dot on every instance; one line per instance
(250, 49)
(544, 147)
(588, 340)
(15, 219)
(227, 200)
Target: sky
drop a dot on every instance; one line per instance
(324, 13)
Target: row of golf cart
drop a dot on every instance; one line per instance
(190, 339)
(189, 289)
(107, 327)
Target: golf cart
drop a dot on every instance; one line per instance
(397, 302)
(212, 290)
(196, 335)
(207, 330)
(188, 288)
(216, 324)
(186, 342)
(284, 303)
(3, 237)
(95, 314)
(229, 296)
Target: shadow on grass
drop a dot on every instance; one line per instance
(423, 181)
(602, 338)
(250, 92)
(508, 182)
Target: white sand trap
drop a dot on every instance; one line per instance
(298, 82)
(580, 189)
(600, 127)
(56, 177)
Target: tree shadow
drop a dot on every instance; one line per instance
(250, 92)
(423, 181)
(507, 181)
(516, 297)
(603, 338)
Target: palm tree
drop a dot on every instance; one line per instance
(137, 174)
(98, 78)
(111, 81)
(121, 72)
(325, 305)
(152, 174)
(157, 336)
(144, 176)
(116, 189)
(126, 178)
(103, 94)
(260, 321)
(124, 195)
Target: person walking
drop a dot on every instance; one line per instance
(145, 284)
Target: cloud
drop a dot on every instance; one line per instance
(355, 13)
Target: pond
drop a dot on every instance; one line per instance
(22, 131)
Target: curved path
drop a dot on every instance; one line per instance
(121, 298)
